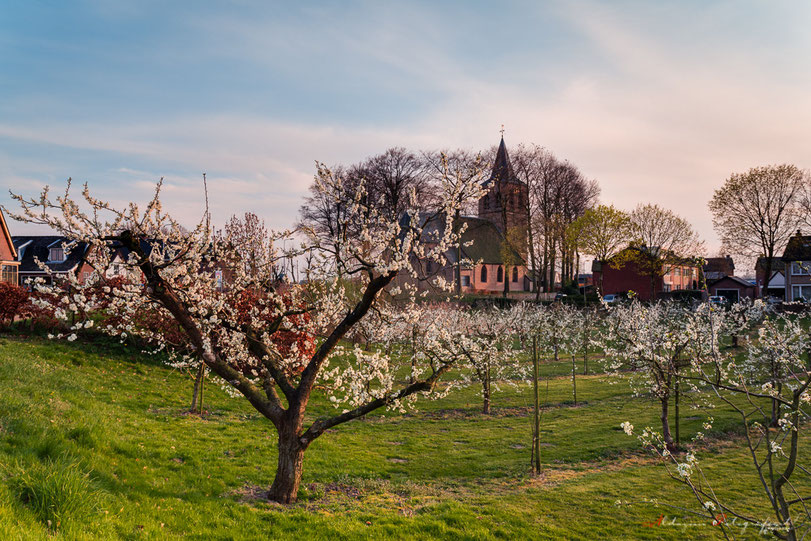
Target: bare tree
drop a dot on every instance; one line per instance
(392, 176)
(755, 212)
(558, 194)
(663, 241)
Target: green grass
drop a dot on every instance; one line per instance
(94, 439)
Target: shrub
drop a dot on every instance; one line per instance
(14, 302)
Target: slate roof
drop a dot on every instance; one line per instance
(39, 246)
(502, 168)
(777, 264)
(798, 248)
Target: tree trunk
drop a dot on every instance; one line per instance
(458, 273)
(676, 411)
(486, 391)
(197, 399)
(574, 380)
(536, 433)
(666, 436)
(585, 345)
(289, 468)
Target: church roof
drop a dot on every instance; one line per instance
(482, 242)
(502, 168)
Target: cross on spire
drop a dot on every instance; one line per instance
(502, 131)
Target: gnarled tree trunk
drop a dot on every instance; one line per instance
(289, 467)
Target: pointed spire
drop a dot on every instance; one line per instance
(502, 168)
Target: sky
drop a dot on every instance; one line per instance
(659, 101)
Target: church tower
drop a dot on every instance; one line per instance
(505, 203)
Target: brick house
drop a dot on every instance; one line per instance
(628, 271)
(797, 261)
(716, 268)
(9, 266)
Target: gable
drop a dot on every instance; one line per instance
(7, 251)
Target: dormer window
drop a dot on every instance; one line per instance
(56, 254)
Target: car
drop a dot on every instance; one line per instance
(560, 296)
(611, 298)
(718, 300)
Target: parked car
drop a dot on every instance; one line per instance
(560, 296)
(718, 300)
(611, 298)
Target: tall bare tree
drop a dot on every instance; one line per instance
(664, 239)
(756, 212)
(392, 176)
(558, 194)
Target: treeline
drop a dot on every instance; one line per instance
(558, 194)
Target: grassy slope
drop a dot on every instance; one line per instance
(443, 471)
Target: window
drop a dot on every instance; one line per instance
(800, 293)
(466, 280)
(56, 254)
(677, 271)
(800, 268)
(500, 275)
(484, 273)
(515, 274)
(8, 274)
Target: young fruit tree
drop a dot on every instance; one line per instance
(745, 384)
(651, 345)
(225, 294)
(482, 341)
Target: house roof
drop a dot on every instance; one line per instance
(738, 281)
(719, 265)
(798, 248)
(38, 247)
(777, 264)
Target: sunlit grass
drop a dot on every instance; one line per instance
(76, 421)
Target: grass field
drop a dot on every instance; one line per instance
(94, 443)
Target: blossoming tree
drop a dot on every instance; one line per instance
(745, 383)
(231, 311)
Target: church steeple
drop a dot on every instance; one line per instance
(502, 168)
(505, 202)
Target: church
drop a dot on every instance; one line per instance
(493, 245)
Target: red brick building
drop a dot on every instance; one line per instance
(9, 266)
(647, 276)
